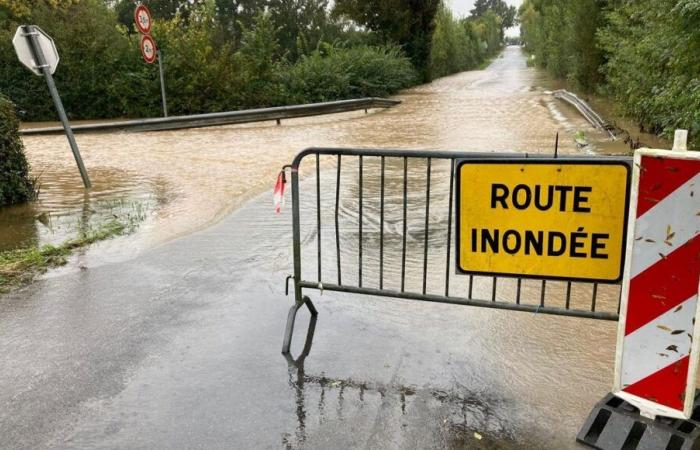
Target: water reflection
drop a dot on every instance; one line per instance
(465, 418)
(65, 210)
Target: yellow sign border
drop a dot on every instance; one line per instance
(620, 161)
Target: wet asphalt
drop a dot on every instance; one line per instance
(180, 348)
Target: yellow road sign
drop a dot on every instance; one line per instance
(543, 218)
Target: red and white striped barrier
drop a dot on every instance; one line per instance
(657, 342)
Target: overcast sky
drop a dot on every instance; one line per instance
(462, 7)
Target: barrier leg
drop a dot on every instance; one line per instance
(291, 316)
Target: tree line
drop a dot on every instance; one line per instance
(645, 55)
(236, 54)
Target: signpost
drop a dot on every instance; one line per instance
(657, 347)
(542, 218)
(36, 50)
(149, 50)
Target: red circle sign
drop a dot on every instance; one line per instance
(148, 49)
(142, 17)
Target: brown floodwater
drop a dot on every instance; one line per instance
(180, 181)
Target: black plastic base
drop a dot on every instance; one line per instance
(614, 424)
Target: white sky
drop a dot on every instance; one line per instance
(461, 9)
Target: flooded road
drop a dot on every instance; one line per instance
(171, 339)
(187, 179)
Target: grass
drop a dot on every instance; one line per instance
(21, 266)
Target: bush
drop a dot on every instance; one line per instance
(464, 44)
(334, 73)
(15, 184)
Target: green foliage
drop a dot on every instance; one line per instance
(653, 62)
(15, 184)
(200, 76)
(20, 266)
(100, 73)
(231, 54)
(463, 44)
(404, 22)
(211, 64)
(499, 7)
(335, 72)
(644, 54)
(561, 35)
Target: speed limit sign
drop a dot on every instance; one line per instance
(148, 49)
(142, 17)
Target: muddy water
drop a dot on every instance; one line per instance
(187, 179)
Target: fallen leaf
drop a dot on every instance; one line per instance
(663, 327)
(477, 436)
(678, 309)
(672, 348)
(677, 331)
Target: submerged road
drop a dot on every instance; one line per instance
(179, 347)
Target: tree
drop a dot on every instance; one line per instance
(507, 13)
(409, 23)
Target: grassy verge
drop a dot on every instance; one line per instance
(19, 267)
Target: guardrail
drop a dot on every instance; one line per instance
(385, 228)
(585, 109)
(224, 118)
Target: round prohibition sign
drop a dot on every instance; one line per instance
(143, 20)
(148, 49)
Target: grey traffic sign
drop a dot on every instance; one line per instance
(36, 50)
(23, 47)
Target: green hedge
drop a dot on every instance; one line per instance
(15, 184)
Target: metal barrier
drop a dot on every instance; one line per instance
(224, 118)
(386, 229)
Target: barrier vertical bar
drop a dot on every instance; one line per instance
(403, 252)
(381, 227)
(359, 270)
(296, 234)
(427, 224)
(318, 211)
(449, 228)
(595, 295)
(543, 293)
(337, 228)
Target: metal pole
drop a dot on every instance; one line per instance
(162, 82)
(41, 61)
